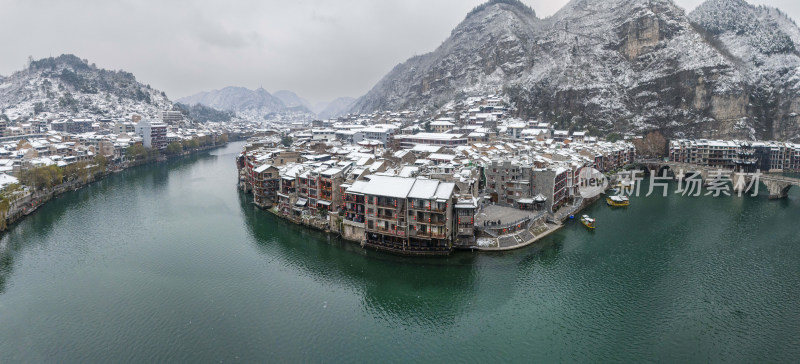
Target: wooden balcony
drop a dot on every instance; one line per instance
(400, 231)
(429, 209)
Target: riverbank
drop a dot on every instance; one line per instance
(30, 202)
(537, 230)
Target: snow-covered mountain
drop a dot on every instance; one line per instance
(763, 43)
(489, 48)
(616, 65)
(241, 100)
(338, 107)
(258, 104)
(72, 86)
(249, 104)
(291, 99)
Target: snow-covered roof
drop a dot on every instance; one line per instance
(262, 168)
(440, 156)
(6, 180)
(424, 189)
(397, 187)
(425, 148)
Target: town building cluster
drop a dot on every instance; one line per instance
(746, 156)
(63, 141)
(396, 183)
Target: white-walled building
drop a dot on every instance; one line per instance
(154, 134)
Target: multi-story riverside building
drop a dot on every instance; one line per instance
(404, 215)
(329, 183)
(612, 156)
(153, 134)
(465, 211)
(739, 155)
(266, 183)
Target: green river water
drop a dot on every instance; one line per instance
(170, 263)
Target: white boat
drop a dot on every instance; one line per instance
(588, 221)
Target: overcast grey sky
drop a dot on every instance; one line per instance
(317, 48)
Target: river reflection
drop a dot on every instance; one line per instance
(395, 288)
(428, 292)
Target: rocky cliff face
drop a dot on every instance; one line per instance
(763, 45)
(616, 65)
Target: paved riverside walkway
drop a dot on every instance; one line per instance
(519, 240)
(505, 215)
(523, 238)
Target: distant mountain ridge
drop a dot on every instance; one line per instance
(290, 99)
(245, 102)
(204, 114)
(335, 108)
(728, 69)
(259, 103)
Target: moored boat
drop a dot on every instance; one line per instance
(618, 201)
(588, 222)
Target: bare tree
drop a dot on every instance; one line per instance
(652, 145)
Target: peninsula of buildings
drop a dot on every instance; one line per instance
(473, 179)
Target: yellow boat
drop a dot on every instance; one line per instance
(588, 222)
(618, 201)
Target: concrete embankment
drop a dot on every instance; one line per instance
(529, 238)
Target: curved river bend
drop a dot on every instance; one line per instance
(169, 263)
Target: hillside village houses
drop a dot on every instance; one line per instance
(402, 189)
